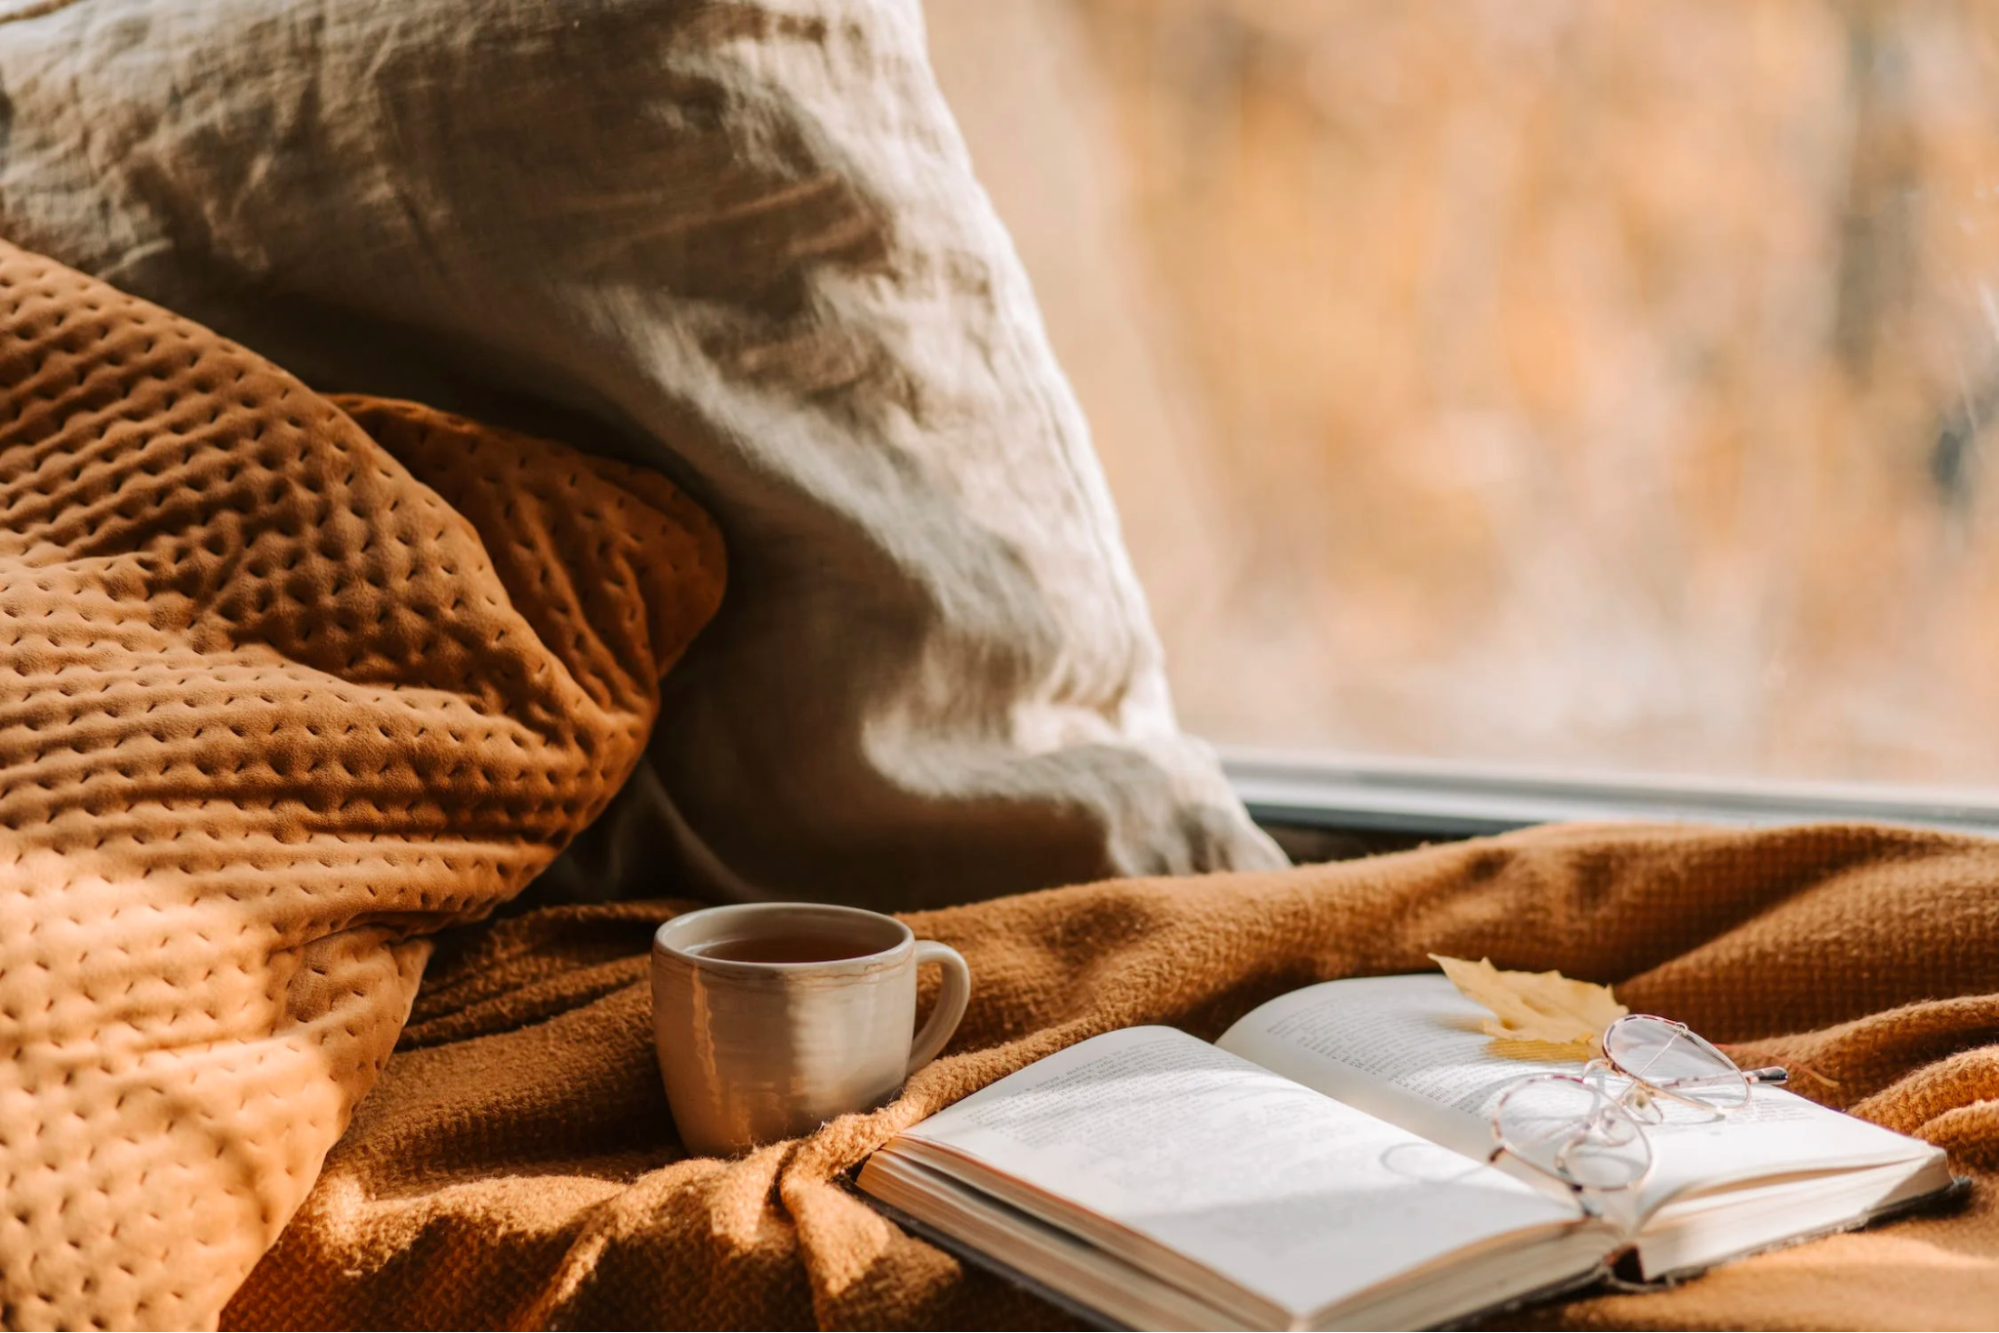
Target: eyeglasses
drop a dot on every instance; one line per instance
(1590, 1135)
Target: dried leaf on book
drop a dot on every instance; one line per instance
(1536, 1015)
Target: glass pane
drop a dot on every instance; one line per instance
(1599, 385)
(1668, 1056)
(1559, 1125)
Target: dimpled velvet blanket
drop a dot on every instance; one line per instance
(286, 683)
(516, 1166)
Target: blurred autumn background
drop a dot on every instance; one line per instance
(1553, 381)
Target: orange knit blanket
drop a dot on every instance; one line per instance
(286, 684)
(517, 1164)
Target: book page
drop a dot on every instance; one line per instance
(1291, 1196)
(1409, 1049)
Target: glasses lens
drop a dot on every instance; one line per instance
(1674, 1060)
(1565, 1127)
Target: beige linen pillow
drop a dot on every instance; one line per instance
(282, 689)
(747, 237)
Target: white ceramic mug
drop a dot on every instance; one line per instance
(757, 1051)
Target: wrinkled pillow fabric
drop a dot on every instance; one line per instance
(746, 235)
(282, 687)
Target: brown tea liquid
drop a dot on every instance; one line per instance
(783, 947)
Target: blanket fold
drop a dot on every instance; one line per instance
(517, 1167)
(285, 685)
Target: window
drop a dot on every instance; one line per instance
(1591, 386)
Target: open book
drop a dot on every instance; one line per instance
(1324, 1165)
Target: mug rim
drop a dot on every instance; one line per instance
(862, 962)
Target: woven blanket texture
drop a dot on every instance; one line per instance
(516, 1166)
(286, 684)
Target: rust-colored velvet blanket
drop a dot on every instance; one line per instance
(516, 1166)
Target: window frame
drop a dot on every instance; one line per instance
(1448, 799)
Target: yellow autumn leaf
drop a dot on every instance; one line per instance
(1542, 1015)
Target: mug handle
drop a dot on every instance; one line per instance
(951, 1002)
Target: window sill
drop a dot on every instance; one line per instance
(1429, 798)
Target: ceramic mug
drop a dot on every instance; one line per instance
(754, 1049)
